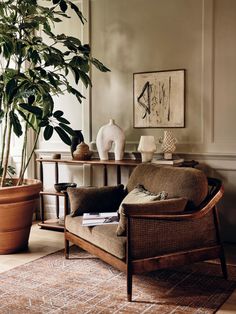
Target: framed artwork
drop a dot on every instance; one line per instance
(159, 99)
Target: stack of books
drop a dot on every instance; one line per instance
(172, 162)
(95, 219)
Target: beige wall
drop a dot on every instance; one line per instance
(147, 35)
(139, 35)
(150, 35)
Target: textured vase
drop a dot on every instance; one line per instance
(168, 144)
(107, 135)
(75, 140)
(82, 152)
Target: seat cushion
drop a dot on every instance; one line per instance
(103, 236)
(176, 181)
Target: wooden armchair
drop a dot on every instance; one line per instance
(173, 240)
(157, 240)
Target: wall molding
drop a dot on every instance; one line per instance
(216, 160)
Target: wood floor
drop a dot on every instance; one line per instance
(43, 242)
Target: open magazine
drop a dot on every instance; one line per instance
(95, 219)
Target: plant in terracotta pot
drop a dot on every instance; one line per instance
(34, 69)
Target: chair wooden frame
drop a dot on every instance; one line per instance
(136, 266)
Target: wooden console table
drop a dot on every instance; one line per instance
(54, 224)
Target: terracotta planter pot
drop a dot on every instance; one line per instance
(17, 204)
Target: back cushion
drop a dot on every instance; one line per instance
(176, 181)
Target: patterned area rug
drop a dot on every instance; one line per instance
(84, 284)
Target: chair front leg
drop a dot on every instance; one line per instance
(223, 263)
(67, 248)
(129, 284)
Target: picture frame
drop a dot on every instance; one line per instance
(159, 99)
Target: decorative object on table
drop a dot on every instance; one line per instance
(56, 156)
(147, 147)
(159, 99)
(82, 152)
(168, 142)
(169, 162)
(75, 140)
(108, 134)
(63, 186)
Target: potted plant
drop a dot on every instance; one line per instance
(32, 72)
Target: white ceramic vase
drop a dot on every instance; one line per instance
(147, 147)
(107, 135)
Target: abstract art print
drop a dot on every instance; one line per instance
(159, 99)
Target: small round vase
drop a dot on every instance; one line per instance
(108, 134)
(75, 140)
(82, 152)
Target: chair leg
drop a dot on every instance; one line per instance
(223, 263)
(129, 286)
(67, 249)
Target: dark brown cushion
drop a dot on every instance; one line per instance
(136, 196)
(93, 199)
(177, 181)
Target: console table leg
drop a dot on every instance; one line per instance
(42, 208)
(105, 181)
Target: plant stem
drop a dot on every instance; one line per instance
(21, 178)
(23, 152)
(4, 140)
(5, 164)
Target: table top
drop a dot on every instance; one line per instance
(123, 162)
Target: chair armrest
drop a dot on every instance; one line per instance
(159, 207)
(149, 211)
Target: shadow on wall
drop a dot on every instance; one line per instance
(119, 43)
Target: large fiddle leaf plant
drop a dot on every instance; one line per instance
(34, 69)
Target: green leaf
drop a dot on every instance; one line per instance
(63, 135)
(63, 6)
(58, 113)
(15, 123)
(11, 89)
(77, 11)
(33, 109)
(62, 120)
(48, 131)
(43, 123)
(99, 65)
(85, 49)
(76, 74)
(52, 80)
(56, 20)
(11, 170)
(31, 99)
(85, 79)
(80, 62)
(67, 129)
(35, 57)
(75, 92)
